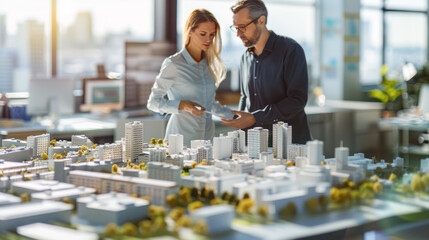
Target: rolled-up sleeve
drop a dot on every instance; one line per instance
(163, 82)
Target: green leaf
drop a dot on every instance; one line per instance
(378, 94)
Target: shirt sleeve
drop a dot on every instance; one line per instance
(163, 82)
(296, 79)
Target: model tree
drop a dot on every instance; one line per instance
(171, 200)
(263, 211)
(44, 156)
(129, 229)
(115, 168)
(152, 141)
(145, 227)
(111, 230)
(160, 141)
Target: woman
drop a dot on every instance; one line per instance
(189, 79)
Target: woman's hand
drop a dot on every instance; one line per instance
(191, 107)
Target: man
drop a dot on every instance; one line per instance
(273, 75)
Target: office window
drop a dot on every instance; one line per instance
(407, 5)
(371, 46)
(282, 19)
(406, 39)
(25, 31)
(94, 32)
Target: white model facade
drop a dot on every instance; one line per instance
(13, 216)
(80, 140)
(175, 143)
(222, 147)
(111, 152)
(282, 139)
(157, 190)
(296, 150)
(133, 140)
(39, 143)
(205, 152)
(238, 140)
(157, 170)
(157, 154)
(257, 141)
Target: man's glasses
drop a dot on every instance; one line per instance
(243, 28)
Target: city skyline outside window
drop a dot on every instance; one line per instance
(406, 37)
(89, 33)
(94, 32)
(25, 40)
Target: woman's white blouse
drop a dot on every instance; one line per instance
(181, 78)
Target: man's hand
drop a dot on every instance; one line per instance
(191, 107)
(244, 120)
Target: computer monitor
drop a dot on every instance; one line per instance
(51, 96)
(102, 94)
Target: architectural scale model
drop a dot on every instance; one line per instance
(163, 187)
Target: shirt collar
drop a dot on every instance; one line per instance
(189, 58)
(269, 45)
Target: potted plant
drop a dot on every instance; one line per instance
(388, 92)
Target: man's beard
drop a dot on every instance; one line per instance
(251, 42)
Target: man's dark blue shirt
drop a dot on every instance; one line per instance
(274, 86)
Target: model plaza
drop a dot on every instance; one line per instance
(232, 186)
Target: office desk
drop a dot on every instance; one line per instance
(99, 128)
(405, 125)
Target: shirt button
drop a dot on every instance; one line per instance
(257, 61)
(256, 94)
(254, 77)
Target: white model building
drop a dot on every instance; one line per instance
(424, 165)
(39, 143)
(17, 154)
(283, 195)
(79, 140)
(134, 173)
(238, 141)
(13, 216)
(222, 147)
(157, 154)
(6, 165)
(282, 139)
(199, 143)
(344, 170)
(60, 173)
(39, 186)
(111, 152)
(175, 143)
(204, 152)
(72, 193)
(63, 143)
(133, 140)
(157, 170)
(157, 190)
(313, 171)
(8, 199)
(257, 141)
(61, 149)
(175, 160)
(296, 150)
(217, 218)
(51, 232)
(267, 158)
(112, 208)
(13, 142)
(93, 166)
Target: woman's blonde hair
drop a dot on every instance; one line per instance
(216, 66)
